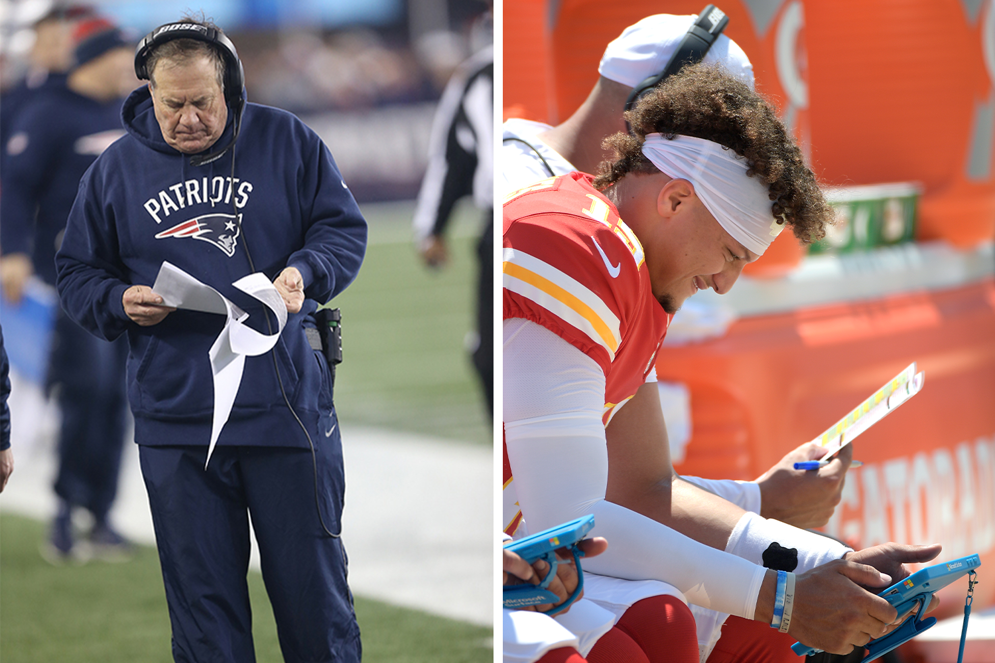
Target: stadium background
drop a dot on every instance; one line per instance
(367, 77)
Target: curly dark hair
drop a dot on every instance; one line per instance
(704, 102)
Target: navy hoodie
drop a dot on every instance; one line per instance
(57, 137)
(142, 203)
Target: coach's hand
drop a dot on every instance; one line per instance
(144, 306)
(290, 285)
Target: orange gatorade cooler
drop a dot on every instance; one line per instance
(526, 61)
(904, 92)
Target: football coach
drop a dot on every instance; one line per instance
(222, 188)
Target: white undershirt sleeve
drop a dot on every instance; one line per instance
(553, 400)
(744, 494)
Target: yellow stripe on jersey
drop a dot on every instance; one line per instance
(564, 296)
(611, 409)
(511, 511)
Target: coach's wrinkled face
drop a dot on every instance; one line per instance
(189, 103)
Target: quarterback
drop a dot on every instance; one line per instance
(593, 268)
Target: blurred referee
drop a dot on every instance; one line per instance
(461, 163)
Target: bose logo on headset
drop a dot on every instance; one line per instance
(180, 26)
(716, 16)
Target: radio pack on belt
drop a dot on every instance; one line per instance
(327, 336)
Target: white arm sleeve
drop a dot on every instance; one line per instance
(553, 400)
(744, 494)
(753, 534)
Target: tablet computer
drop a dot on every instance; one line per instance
(543, 545)
(913, 593)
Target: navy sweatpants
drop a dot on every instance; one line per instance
(201, 521)
(90, 375)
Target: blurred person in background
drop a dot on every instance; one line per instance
(171, 190)
(461, 164)
(59, 132)
(6, 455)
(48, 62)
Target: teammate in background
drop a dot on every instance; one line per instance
(49, 59)
(587, 301)
(460, 164)
(585, 632)
(6, 455)
(533, 151)
(281, 208)
(60, 132)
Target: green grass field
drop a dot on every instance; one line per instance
(403, 329)
(404, 368)
(110, 613)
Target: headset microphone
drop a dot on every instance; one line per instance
(202, 159)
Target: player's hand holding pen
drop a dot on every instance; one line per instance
(804, 499)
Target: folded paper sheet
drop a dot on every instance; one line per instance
(236, 341)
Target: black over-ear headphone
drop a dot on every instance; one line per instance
(234, 76)
(699, 38)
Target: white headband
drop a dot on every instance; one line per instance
(740, 203)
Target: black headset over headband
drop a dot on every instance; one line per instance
(234, 76)
(699, 38)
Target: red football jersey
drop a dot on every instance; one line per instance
(571, 265)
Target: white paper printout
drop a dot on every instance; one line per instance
(235, 342)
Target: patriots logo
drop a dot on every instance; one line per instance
(221, 230)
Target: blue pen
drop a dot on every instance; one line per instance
(816, 464)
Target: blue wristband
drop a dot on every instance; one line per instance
(782, 582)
